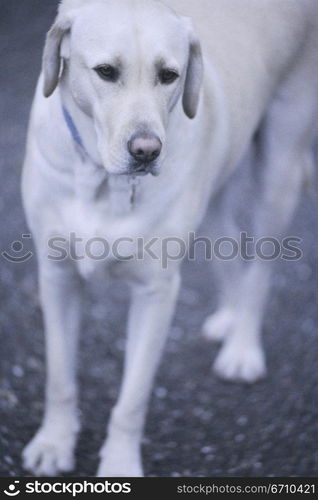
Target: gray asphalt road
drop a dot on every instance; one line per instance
(197, 425)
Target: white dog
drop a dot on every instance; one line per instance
(135, 89)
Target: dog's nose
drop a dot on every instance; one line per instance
(145, 148)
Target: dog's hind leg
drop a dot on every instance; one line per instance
(52, 449)
(244, 360)
(286, 155)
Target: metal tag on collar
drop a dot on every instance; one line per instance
(134, 182)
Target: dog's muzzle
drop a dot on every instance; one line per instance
(144, 150)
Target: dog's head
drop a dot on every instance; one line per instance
(127, 63)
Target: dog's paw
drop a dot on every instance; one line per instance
(50, 452)
(239, 361)
(108, 468)
(217, 327)
(123, 462)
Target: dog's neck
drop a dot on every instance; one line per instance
(92, 184)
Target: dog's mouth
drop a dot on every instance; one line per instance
(138, 169)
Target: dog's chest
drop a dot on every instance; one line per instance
(102, 226)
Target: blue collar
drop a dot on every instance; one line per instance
(74, 131)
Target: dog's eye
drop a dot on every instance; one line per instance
(167, 76)
(108, 72)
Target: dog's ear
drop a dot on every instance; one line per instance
(194, 75)
(51, 62)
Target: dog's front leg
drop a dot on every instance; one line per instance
(52, 449)
(149, 321)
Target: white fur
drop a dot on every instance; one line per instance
(260, 74)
